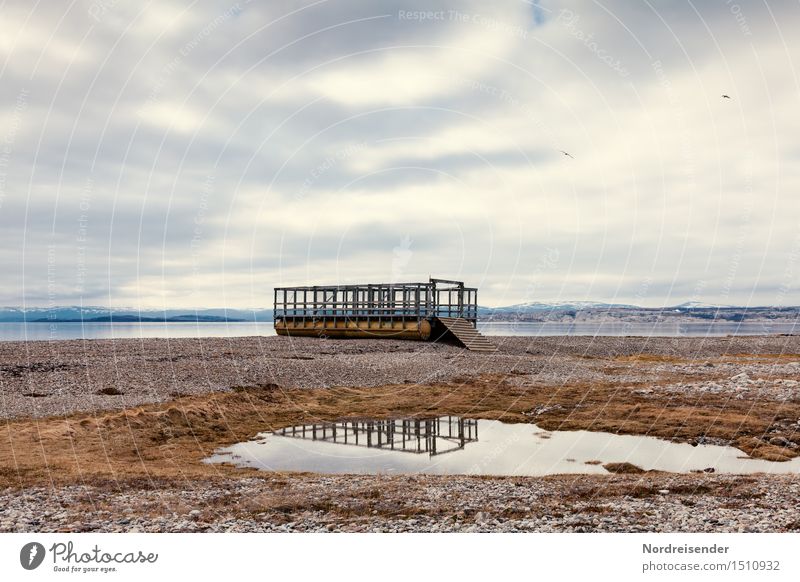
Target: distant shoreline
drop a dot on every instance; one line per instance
(532, 313)
(135, 319)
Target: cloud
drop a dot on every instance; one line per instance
(211, 152)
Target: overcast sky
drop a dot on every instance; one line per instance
(196, 154)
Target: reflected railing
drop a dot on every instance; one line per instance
(434, 436)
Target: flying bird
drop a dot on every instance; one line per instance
(726, 96)
(566, 154)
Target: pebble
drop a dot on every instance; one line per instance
(662, 503)
(156, 370)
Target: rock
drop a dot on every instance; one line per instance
(780, 441)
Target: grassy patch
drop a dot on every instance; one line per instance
(623, 468)
(171, 439)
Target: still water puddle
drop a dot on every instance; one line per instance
(453, 445)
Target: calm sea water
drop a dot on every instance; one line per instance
(62, 331)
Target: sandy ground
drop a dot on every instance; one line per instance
(110, 435)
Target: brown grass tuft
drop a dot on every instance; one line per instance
(623, 468)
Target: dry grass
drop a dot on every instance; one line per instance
(623, 468)
(169, 440)
(657, 358)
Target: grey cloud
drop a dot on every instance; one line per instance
(113, 119)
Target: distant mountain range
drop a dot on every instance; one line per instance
(575, 311)
(559, 311)
(141, 319)
(577, 305)
(101, 314)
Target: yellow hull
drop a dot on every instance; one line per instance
(356, 328)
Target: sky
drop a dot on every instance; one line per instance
(197, 154)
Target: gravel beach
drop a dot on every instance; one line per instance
(357, 503)
(61, 377)
(110, 435)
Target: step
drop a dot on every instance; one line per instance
(465, 333)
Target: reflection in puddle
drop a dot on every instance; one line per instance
(434, 436)
(450, 445)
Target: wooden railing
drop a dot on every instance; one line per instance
(378, 301)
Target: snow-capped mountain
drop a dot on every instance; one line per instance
(701, 305)
(571, 305)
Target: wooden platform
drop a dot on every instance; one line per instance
(364, 327)
(393, 310)
(467, 335)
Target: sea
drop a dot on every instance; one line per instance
(43, 331)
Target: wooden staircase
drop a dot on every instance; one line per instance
(465, 333)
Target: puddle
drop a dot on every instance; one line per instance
(453, 446)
